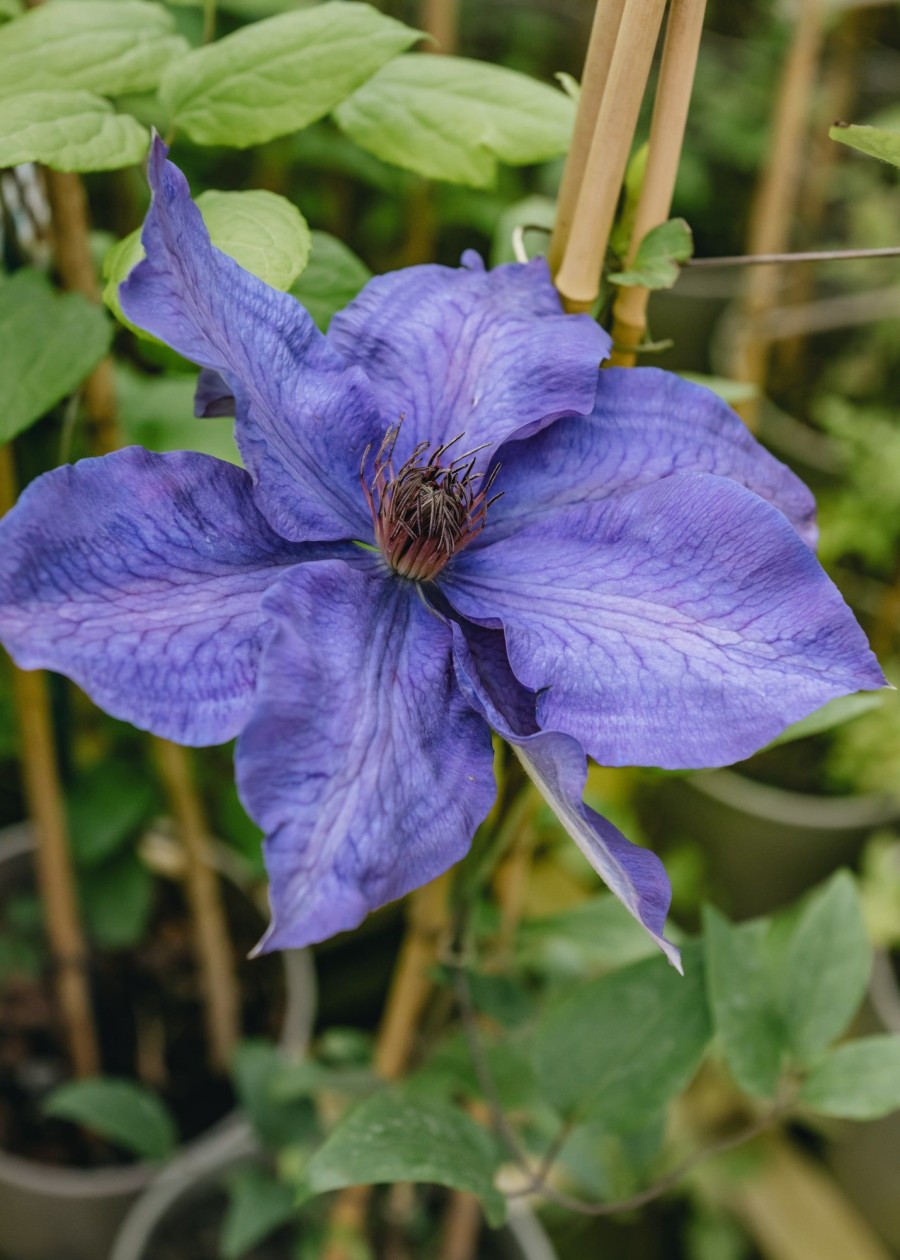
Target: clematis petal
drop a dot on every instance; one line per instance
(140, 577)
(304, 418)
(682, 625)
(363, 763)
(558, 767)
(464, 350)
(645, 424)
(213, 396)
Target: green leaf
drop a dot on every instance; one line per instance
(257, 1206)
(825, 969)
(262, 231)
(158, 412)
(117, 899)
(394, 1137)
(105, 46)
(872, 140)
(857, 1081)
(743, 998)
(10, 8)
(621, 1046)
(835, 713)
(70, 131)
(732, 392)
(128, 1114)
(333, 277)
(279, 75)
(655, 265)
(49, 342)
(105, 809)
(451, 118)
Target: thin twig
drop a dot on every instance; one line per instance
(670, 111)
(804, 256)
(210, 926)
(55, 870)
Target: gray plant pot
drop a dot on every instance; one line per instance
(764, 845)
(49, 1213)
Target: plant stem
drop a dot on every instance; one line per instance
(209, 21)
(673, 96)
(440, 20)
(55, 871)
(579, 273)
(607, 16)
(776, 195)
(71, 227)
(211, 943)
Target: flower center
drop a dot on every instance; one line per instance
(427, 510)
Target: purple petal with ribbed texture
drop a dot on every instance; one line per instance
(363, 762)
(213, 396)
(140, 577)
(684, 624)
(646, 424)
(557, 766)
(464, 350)
(304, 418)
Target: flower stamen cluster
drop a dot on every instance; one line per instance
(427, 510)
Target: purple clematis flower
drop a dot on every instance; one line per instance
(360, 607)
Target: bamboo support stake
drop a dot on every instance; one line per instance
(607, 16)
(579, 273)
(440, 19)
(670, 112)
(221, 1011)
(411, 986)
(71, 230)
(770, 222)
(55, 871)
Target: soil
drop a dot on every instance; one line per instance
(150, 1022)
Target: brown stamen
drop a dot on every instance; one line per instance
(427, 510)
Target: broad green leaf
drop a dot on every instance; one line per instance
(104, 46)
(533, 212)
(105, 809)
(278, 75)
(859, 1080)
(872, 140)
(262, 231)
(835, 713)
(332, 278)
(49, 342)
(395, 1137)
(621, 1046)
(452, 118)
(70, 131)
(825, 969)
(126, 1113)
(656, 262)
(10, 9)
(158, 412)
(743, 1000)
(116, 900)
(257, 1206)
